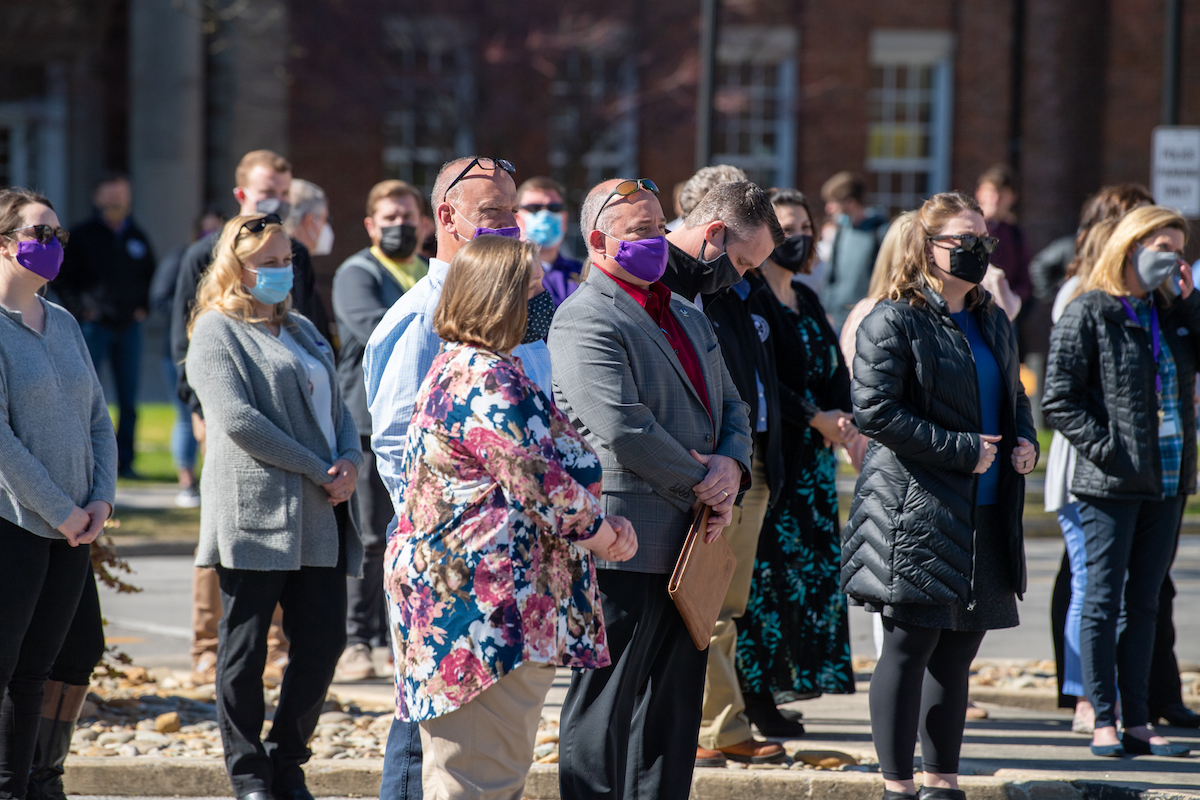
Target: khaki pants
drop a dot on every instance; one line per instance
(206, 615)
(724, 720)
(483, 750)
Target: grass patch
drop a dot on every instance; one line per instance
(152, 444)
(161, 523)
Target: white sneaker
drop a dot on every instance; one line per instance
(356, 664)
(188, 498)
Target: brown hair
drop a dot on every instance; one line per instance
(1108, 275)
(742, 206)
(796, 198)
(484, 298)
(540, 183)
(221, 287)
(890, 256)
(1107, 205)
(393, 189)
(259, 158)
(999, 175)
(844, 186)
(12, 200)
(914, 271)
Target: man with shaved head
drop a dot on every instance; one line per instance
(639, 372)
(472, 196)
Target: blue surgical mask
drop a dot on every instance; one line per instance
(273, 284)
(545, 228)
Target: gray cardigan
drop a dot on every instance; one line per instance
(57, 446)
(263, 506)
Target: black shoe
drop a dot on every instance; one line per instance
(763, 713)
(791, 715)
(1140, 747)
(888, 794)
(295, 794)
(257, 796)
(939, 793)
(1177, 715)
(128, 474)
(51, 750)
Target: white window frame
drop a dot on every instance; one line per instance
(762, 47)
(918, 48)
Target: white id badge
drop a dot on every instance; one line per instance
(1169, 427)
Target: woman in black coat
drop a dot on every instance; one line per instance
(934, 540)
(1119, 385)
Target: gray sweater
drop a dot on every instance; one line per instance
(263, 506)
(57, 446)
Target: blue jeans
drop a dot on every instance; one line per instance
(1130, 546)
(123, 348)
(402, 763)
(1072, 531)
(183, 444)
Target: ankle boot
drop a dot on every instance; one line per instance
(762, 711)
(888, 794)
(60, 711)
(936, 793)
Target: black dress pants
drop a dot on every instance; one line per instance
(314, 620)
(367, 620)
(40, 583)
(629, 730)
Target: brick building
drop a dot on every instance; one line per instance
(920, 95)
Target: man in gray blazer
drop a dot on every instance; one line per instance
(640, 373)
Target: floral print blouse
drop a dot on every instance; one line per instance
(485, 571)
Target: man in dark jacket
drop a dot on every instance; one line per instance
(263, 181)
(730, 231)
(364, 288)
(105, 284)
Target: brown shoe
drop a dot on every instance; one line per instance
(975, 712)
(754, 751)
(204, 670)
(709, 758)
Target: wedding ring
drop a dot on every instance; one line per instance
(724, 494)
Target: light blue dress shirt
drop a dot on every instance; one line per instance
(398, 356)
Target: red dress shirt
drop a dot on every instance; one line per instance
(656, 300)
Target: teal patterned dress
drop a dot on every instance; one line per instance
(794, 638)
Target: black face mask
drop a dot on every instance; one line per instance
(969, 265)
(398, 241)
(539, 313)
(718, 274)
(792, 255)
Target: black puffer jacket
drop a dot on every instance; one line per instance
(1100, 394)
(911, 535)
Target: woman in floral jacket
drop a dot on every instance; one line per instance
(489, 576)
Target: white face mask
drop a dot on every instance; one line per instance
(324, 241)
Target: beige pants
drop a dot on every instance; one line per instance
(724, 720)
(206, 615)
(483, 750)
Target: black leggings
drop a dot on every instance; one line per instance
(84, 646)
(920, 683)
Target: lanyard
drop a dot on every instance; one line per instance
(1155, 340)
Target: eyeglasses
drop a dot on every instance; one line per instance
(534, 208)
(484, 163)
(44, 233)
(969, 241)
(624, 189)
(259, 225)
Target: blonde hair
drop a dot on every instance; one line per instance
(914, 269)
(221, 287)
(891, 250)
(486, 291)
(1108, 274)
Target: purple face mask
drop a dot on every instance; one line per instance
(43, 260)
(645, 259)
(508, 233)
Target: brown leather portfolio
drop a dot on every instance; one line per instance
(701, 579)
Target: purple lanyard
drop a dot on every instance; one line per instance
(1155, 340)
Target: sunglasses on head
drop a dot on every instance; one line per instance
(534, 208)
(482, 163)
(43, 233)
(969, 241)
(624, 189)
(259, 225)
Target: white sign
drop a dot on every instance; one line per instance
(1175, 169)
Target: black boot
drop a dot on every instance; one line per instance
(762, 711)
(888, 794)
(935, 793)
(54, 741)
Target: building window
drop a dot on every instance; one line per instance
(908, 134)
(430, 91)
(594, 119)
(754, 124)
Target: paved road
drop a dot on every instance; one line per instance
(154, 626)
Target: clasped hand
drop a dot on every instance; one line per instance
(345, 475)
(718, 490)
(83, 525)
(1024, 456)
(615, 541)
